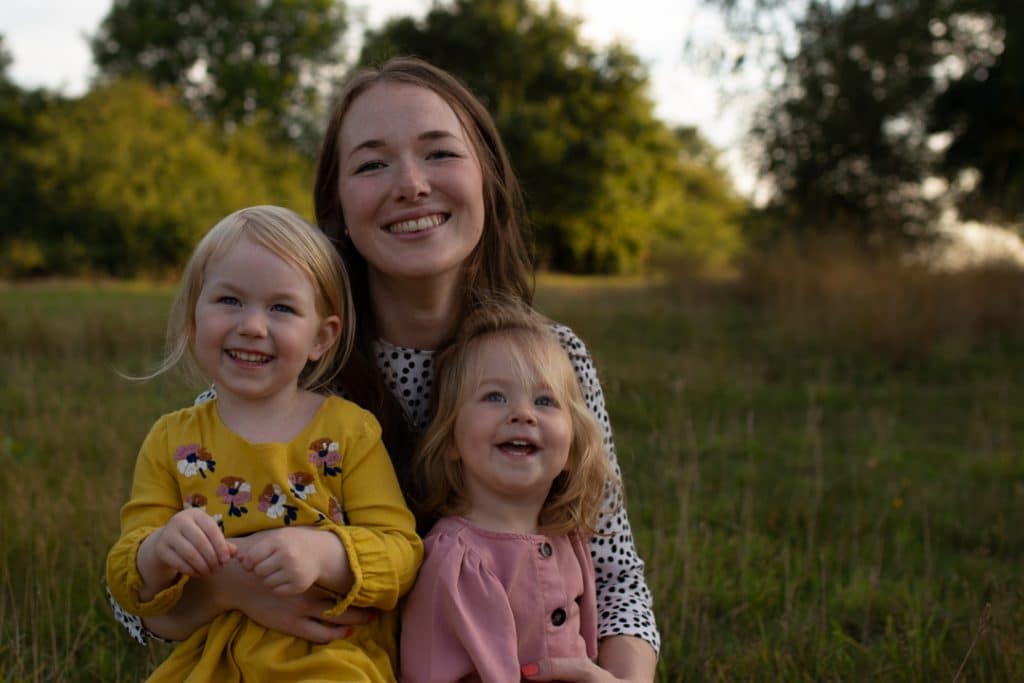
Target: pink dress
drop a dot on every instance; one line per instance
(486, 603)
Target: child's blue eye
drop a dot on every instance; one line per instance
(229, 301)
(282, 308)
(494, 397)
(546, 401)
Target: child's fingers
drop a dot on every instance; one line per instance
(281, 583)
(194, 546)
(179, 553)
(221, 548)
(255, 555)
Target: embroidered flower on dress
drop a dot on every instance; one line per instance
(193, 459)
(274, 503)
(195, 500)
(236, 492)
(325, 453)
(335, 511)
(301, 484)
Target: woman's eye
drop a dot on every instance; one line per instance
(442, 154)
(282, 308)
(494, 397)
(229, 301)
(369, 166)
(546, 401)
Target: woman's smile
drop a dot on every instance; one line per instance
(413, 225)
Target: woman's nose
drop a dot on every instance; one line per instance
(412, 182)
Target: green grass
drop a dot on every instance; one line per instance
(811, 507)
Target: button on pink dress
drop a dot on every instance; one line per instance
(486, 603)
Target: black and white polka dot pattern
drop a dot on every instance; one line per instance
(623, 598)
(409, 374)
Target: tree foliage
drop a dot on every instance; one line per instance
(604, 178)
(981, 104)
(230, 59)
(20, 202)
(126, 181)
(876, 96)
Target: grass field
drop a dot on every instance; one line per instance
(822, 492)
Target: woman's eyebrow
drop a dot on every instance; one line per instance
(376, 143)
(436, 135)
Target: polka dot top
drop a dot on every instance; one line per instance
(623, 598)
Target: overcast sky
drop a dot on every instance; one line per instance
(47, 40)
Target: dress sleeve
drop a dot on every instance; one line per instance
(154, 500)
(458, 623)
(380, 538)
(624, 603)
(130, 621)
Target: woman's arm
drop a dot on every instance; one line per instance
(234, 588)
(622, 658)
(629, 638)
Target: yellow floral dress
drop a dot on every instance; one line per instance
(335, 475)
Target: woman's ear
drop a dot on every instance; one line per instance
(330, 328)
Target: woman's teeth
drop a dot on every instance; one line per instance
(417, 224)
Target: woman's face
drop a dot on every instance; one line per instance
(410, 184)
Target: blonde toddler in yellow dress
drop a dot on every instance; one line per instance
(264, 311)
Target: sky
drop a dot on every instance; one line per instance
(47, 39)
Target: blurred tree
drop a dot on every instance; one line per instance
(130, 180)
(981, 105)
(843, 137)
(231, 59)
(873, 97)
(20, 204)
(603, 177)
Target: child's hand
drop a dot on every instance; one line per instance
(286, 560)
(191, 543)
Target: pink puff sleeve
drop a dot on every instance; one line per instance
(458, 621)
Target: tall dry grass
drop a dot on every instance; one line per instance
(883, 302)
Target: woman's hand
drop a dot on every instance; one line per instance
(580, 670)
(299, 614)
(620, 658)
(232, 587)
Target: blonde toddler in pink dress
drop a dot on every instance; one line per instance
(514, 465)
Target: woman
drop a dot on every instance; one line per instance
(414, 185)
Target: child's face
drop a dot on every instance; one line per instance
(257, 324)
(511, 434)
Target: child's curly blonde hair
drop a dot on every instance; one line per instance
(575, 498)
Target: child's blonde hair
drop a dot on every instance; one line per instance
(575, 498)
(292, 238)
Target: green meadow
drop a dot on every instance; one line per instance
(824, 466)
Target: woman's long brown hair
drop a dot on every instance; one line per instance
(500, 265)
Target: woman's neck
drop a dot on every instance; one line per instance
(419, 314)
